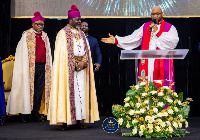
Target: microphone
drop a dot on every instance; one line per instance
(154, 21)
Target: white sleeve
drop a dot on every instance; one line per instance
(131, 41)
(168, 40)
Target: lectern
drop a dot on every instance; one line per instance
(155, 54)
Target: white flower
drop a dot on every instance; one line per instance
(169, 100)
(155, 110)
(147, 118)
(142, 110)
(179, 102)
(151, 119)
(131, 112)
(150, 126)
(140, 133)
(161, 104)
(165, 114)
(126, 99)
(166, 87)
(176, 109)
(159, 120)
(160, 94)
(127, 126)
(162, 124)
(157, 128)
(142, 83)
(180, 116)
(175, 94)
(144, 94)
(134, 131)
(153, 92)
(126, 105)
(180, 125)
(134, 121)
(175, 125)
(170, 111)
(186, 124)
(120, 121)
(168, 123)
(137, 105)
(159, 82)
(170, 129)
(142, 127)
(159, 114)
(150, 131)
(136, 87)
(146, 101)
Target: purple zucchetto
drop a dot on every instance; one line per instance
(37, 16)
(74, 12)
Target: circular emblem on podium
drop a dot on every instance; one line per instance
(110, 125)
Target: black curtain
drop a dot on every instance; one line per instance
(115, 75)
(5, 28)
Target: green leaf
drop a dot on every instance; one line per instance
(180, 96)
(185, 111)
(132, 94)
(118, 110)
(152, 87)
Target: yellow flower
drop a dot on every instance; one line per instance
(170, 118)
(190, 99)
(141, 119)
(146, 89)
(131, 103)
(151, 112)
(129, 118)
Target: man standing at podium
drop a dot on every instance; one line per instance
(154, 35)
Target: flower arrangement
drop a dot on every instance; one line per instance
(153, 112)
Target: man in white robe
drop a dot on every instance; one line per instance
(31, 80)
(73, 95)
(151, 36)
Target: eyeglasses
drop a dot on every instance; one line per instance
(153, 14)
(41, 24)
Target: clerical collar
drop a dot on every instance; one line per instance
(36, 32)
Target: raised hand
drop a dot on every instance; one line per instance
(110, 40)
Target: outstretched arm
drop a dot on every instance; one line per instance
(109, 40)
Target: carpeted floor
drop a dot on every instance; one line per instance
(14, 129)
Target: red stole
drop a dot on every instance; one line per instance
(159, 63)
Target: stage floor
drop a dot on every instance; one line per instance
(14, 129)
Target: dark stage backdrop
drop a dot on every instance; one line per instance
(115, 76)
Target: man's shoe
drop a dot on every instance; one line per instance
(38, 119)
